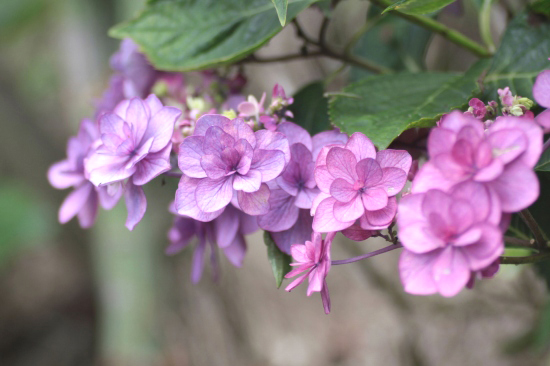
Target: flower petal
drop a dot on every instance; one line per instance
(236, 251)
(375, 199)
(380, 219)
(75, 202)
(152, 166)
(255, 203)
(341, 164)
(161, 127)
(189, 156)
(541, 89)
(207, 121)
(342, 190)
(268, 162)
(300, 232)
(415, 271)
(269, 140)
(361, 146)
(282, 214)
(295, 134)
(136, 204)
(186, 204)
(61, 175)
(250, 182)
(324, 220)
(349, 211)
(226, 227)
(394, 159)
(451, 271)
(517, 187)
(213, 195)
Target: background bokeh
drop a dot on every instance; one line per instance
(107, 296)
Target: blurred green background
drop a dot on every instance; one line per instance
(110, 297)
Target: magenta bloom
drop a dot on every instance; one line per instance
(135, 143)
(293, 192)
(358, 183)
(447, 236)
(502, 158)
(83, 201)
(226, 157)
(313, 258)
(225, 232)
(541, 92)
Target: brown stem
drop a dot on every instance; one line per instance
(529, 220)
(516, 242)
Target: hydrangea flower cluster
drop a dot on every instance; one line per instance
(242, 166)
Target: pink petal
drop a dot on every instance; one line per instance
(322, 139)
(105, 169)
(250, 182)
(418, 238)
(369, 172)
(415, 271)
(410, 208)
(298, 233)
(226, 228)
(341, 164)
(323, 178)
(490, 172)
(239, 129)
(189, 157)
(451, 272)
(269, 140)
(137, 116)
(111, 124)
(236, 251)
(349, 211)
(486, 249)
(305, 197)
(136, 203)
(342, 190)
(380, 219)
(88, 214)
(543, 119)
(214, 166)
(374, 199)
(507, 144)
(213, 195)
(357, 233)
(541, 89)
(393, 180)
(440, 141)
(430, 177)
(255, 203)
(487, 208)
(324, 220)
(394, 159)
(517, 187)
(320, 197)
(361, 146)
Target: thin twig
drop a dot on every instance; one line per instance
(367, 255)
(516, 242)
(529, 220)
(525, 260)
(323, 31)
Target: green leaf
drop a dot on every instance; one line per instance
(281, 6)
(544, 162)
(391, 104)
(541, 7)
(197, 34)
(392, 42)
(280, 262)
(522, 55)
(418, 7)
(310, 108)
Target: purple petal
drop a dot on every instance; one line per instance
(255, 203)
(440, 141)
(410, 210)
(541, 89)
(189, 156)
(88, 213)
(137, 116)
(485, 250)
(236, 251)
(207, 121)
(136, 203)
(246, 153)
(324, 220)
(305, 197)
(107, 199)
(430, 177)
(213, 195)
(104, 169)
(111, 124)
(186, 204)
(250, 182)
(393, 180)
(154, 104)
(226, 227)
(322, 139)
(269, 140)
(295, 134)
(415, 271)
(325, 297)
(152, 166)
(357, 233)
(216, 140)
(487, 208)
(369, 172)
(239, 129)
(161, 127)
(317, 200)
(323, 178)
(268, 162)
(341, 164)
(490, 172)
(214, 166)
(282, 214)
(517, 187)
(61, 175)
(300, 232)
(349, 211)
(374, 199)
(543, 119)
(507, 144)
(75, 202)
(197, 266)
(361, 146)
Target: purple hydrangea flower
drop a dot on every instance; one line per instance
(293, 192)
(135, 143)
(447, 236)
(358, 183)
(313, 258)
(224, 158)
(502, 158)
(225, 232)
(541, 93)
(83, 201)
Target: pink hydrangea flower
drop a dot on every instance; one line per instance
(293, 192)
(83, 201)
(541, 93)
(225, 232)
(502, 158)
(447, 236)
(358, 183)
(225, 158)
(488, 272)
(135, 145)
(477, 108)
(312, 260)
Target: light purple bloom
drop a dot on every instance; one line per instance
(313, 258)
(83, 201)
(135, 143)
(447, 236)
(502, 158)
(541, 93)
(358, 183)
(293, 192)
(224, 158)
(506, 97)
(225, 232)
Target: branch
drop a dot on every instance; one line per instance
(367, 255)
(529, 220)
(525, 260)
(440, 28)
(522, 243)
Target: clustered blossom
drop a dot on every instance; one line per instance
(245, 166)
(358, 183)
(451, 225)
(313, 258)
